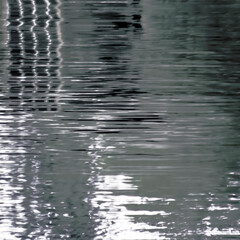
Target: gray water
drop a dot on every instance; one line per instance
(119, 119)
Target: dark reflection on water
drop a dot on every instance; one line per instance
(119, 119)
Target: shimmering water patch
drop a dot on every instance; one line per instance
(119, 119)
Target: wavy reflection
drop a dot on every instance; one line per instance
(34, 41)
(116, 82)
(125, 63)
(17, 160)
(12, 213)
(32, 83)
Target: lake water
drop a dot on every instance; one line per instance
(119, 119)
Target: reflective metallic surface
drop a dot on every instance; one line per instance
(119, 119)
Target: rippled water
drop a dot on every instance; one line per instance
(119, 119)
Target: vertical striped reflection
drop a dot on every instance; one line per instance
(32, 79)
(35, 60)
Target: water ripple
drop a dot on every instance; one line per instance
(119, 119)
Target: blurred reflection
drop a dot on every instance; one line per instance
(140, 177)
(198, 65)
(117, 23)
(222, 40)
(35, 58)
(117, 26)
(3, 37)
(217, 36)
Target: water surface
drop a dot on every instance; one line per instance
(119, 119)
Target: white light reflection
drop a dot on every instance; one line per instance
(20, 20)
(12, 211)
(51, 44)
(59, 34)
(219, 208)
(110, 202)
(210, 232)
